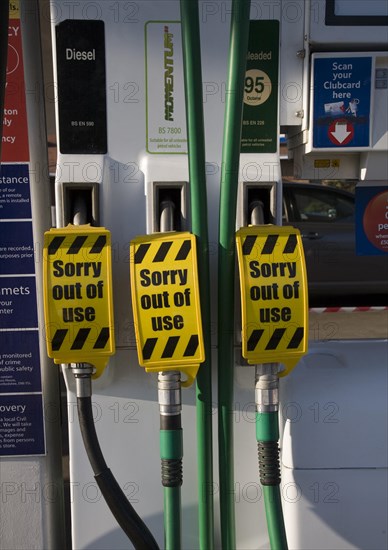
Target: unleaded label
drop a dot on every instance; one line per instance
(260, 112)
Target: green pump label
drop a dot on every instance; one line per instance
(260, 110)
(165, 90)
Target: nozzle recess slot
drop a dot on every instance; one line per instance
(257, 205)
(173, 194)
(80, 203)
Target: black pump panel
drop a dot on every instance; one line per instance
(81, 87)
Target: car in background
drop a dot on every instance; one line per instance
(325, 217)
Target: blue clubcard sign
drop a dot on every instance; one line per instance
(342, 102)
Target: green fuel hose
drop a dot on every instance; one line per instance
(172, 518)
(226, 262)
(199, 227)
(267, 435)
(274, 515)
(171, 453)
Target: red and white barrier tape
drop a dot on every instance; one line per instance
(347, 309)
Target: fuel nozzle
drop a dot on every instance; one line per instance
(171, 454)
(267, 428)
(171, 440)
(169, 394)
(267, 387)
(267, 435)
(83, 378)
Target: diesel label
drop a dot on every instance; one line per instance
(80, 55)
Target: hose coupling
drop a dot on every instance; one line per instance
(83, 378)
(267, 388)
(169, 393)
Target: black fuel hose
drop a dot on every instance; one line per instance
(130, 522)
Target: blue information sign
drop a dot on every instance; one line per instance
(21, 425)
(342, 102)
(19, 361)
(21, 404)
(16, 248)
(18, 302)
(14, 192)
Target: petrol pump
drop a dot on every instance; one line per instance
(171, 288)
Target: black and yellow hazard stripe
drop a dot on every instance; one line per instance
(81, 340)
(269, 244)
(275, 339)
(77, 244)
(160, 251)
(170, 347)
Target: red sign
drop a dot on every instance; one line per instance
(375, 221)
(15, 137)
(341, 132)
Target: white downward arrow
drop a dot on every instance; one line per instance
(341, 132)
